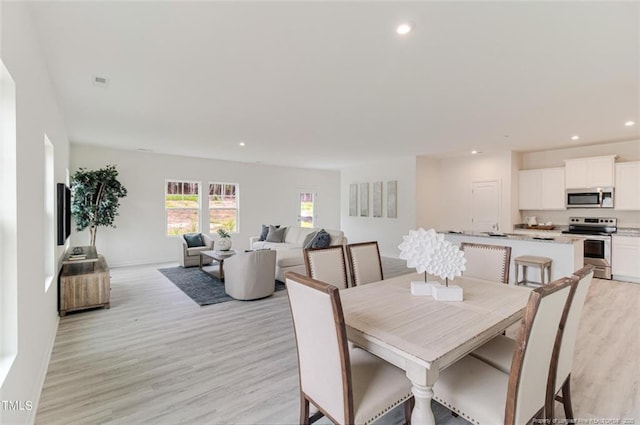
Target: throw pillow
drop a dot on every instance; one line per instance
(308, 240)
(276, 234)
(193, 240)
(265, 232)
(322, 240)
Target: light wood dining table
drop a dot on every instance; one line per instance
(422, 335)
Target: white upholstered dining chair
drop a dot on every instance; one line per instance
(488, 262)
(483, 394)
(348, 386)
(364, 262)
(499, 351)
(327, 265)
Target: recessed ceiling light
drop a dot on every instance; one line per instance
(575, 137)
(100, 81)
(242, 143)
(475, 152)
(404, 28)
(630, 123)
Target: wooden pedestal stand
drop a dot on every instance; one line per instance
(84, 281)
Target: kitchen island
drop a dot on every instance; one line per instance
(567, 252)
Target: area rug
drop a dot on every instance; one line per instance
(200, 286)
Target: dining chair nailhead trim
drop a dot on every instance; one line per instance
(457, 411)
(383, 412)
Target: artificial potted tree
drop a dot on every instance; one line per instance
(95, 198)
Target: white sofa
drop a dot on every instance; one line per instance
(289, 252)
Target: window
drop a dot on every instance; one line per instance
(182, 207)
(49, 219)
(306, 201)
(8, 225)
(223, 207)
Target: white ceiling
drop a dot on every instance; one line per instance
(330, 84)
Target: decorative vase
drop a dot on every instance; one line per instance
(223, 244)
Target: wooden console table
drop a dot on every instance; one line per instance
(84, 283)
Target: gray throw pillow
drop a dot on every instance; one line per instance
(193, 240)
(308, 240)
(275, 234)
(265, 232)
(322, 240)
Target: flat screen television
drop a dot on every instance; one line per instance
(64, 212)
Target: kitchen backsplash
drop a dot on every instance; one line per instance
(625, 218)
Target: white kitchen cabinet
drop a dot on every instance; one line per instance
(530, 190)
(591, 172)
(625, 252)
(553, 189)
(541, 189)
(627, 193)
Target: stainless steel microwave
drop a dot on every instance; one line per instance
(601, 197)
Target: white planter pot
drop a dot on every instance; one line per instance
(223, 244)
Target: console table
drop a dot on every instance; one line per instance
(84, 281)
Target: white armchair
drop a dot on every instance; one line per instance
(250, 275)
(190, 257)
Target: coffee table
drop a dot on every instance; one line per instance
(219, 256)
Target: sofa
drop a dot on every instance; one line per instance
(289, 256)
(190, 257)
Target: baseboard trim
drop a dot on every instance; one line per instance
(625, 278)
(142, 262)
(43, 372)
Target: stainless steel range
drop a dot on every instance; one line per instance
(597, 232)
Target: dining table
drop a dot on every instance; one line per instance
(422, 335)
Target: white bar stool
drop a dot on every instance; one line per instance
(543, 263)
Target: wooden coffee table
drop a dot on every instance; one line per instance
(219, 256)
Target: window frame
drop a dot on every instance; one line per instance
(49, 183)
(8, 224)
(198, 208)
(237, 208)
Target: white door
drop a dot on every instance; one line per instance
(306, 208)
(485, 206)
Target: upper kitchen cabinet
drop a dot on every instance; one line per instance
(530, 189)
(627, 195)
(541, 189)
(591, 172)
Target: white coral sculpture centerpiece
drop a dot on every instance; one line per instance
(447, 261)
(418, 246)
(428, 252)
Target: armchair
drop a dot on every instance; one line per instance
(190, 257)
(249, 275)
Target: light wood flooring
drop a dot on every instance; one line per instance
(157, 357)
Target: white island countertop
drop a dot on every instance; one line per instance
(566, 252)
(565, 239)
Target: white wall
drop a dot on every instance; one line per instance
(454, 179)
(626, 151)
(268, 195)
(387, 231)
(427, 192)
(37, 113)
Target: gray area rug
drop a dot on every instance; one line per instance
(200, 286)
